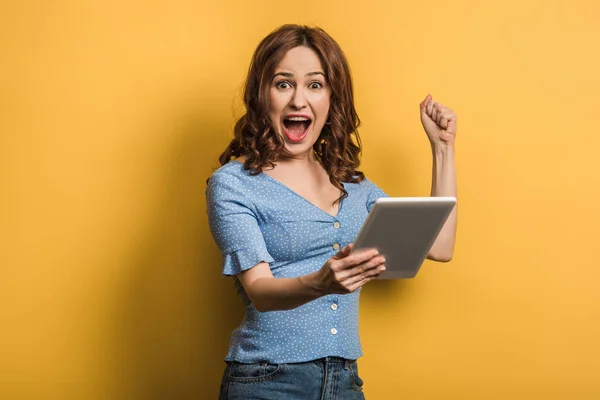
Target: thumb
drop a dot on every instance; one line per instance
(423, 105)
(451, 128)
(344, 252)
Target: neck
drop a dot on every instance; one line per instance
(303, 159)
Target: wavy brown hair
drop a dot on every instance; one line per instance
(338, 147)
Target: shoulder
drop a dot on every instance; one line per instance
(232, 181)
(233, 171)
(362, 185)
(365, 189)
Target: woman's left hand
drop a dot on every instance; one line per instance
(439, 122)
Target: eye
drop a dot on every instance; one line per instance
(283, 85)
(315, 85)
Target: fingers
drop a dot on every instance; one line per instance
(351, 275)
(442, 115)
(356, 283)
(425, 103)
(429, 107)
(343, 271)
(369, 270)
(444, 121)
(344, 252)
(452, 125)
(446, 118)
(358, 257)
(360, 284)
(350, 271)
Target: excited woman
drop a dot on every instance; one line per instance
(284, 209)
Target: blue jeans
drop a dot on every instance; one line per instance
(328, 378)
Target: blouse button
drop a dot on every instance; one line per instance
(336, 246)
(333, 331)
(336, 225)
(334, 306)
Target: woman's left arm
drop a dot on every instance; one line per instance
(439, 123)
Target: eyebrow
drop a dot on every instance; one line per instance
(290, 75)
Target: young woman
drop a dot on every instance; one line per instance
(284, 209)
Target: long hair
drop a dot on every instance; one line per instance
(338, 147)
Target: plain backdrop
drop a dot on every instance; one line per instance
(113, 114)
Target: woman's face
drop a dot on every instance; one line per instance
(299, 100)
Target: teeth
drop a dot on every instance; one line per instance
(297, 119)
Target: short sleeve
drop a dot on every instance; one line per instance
(234, 225)
(374, 192)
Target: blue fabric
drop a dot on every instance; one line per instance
(257, 218)
(329, 378)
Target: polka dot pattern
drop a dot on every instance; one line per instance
(257, 218)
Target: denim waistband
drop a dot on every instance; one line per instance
(333, 359)
(328, 359)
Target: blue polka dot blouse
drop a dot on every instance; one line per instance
(257, 218)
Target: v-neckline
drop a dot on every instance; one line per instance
(278, 182)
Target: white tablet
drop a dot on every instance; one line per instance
(403, 229)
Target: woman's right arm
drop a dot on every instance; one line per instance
(234, 226)
(343, 273)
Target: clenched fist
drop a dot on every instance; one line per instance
(438, 121)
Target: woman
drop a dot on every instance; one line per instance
(284, 209)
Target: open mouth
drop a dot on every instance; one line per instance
(296, 127)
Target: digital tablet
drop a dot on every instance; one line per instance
(403, 229)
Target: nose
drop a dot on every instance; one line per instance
(298, 100)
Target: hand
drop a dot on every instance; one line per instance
(344, 273)
(439, 122)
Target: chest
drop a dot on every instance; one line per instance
(313, 186)
(299, 235)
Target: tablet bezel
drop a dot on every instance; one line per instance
(415, 222)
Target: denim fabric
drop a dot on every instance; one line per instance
(328, 378)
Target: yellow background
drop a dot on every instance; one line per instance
(113, 113)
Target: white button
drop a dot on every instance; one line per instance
(336, 246)
(336, 225)
(333, 331)
(334, 306)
